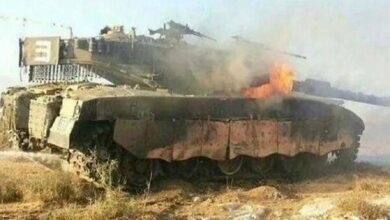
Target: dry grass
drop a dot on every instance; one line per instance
(4, 139)
(356, 204)
(46, 192)
(9, 191)
(64, 194)
(61, 188)
(115, 205)
(55, 188)
(374, 186)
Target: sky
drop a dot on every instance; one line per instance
(346, 42)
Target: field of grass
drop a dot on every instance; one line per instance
(38, 186)
(57, 194)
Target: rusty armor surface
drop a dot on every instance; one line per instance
(171, 127)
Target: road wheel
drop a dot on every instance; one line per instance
(230, 167)
(262, 165)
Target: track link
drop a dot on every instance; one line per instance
(97, 157)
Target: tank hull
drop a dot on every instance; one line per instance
(169, 129)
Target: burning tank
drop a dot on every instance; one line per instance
(151, 123)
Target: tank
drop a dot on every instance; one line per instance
(149, 123)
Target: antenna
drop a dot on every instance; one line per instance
(27, 20)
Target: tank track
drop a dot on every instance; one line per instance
(99, 158)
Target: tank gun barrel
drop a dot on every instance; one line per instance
(198, 34)
(264, 47)
(325, 89)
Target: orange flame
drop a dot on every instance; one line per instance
(281, 83)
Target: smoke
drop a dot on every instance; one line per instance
(351, 55)
(228, 70)
(346, 43)
(338, 48)
(348, 51)
(374, 145)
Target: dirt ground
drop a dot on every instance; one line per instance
(45, 193)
